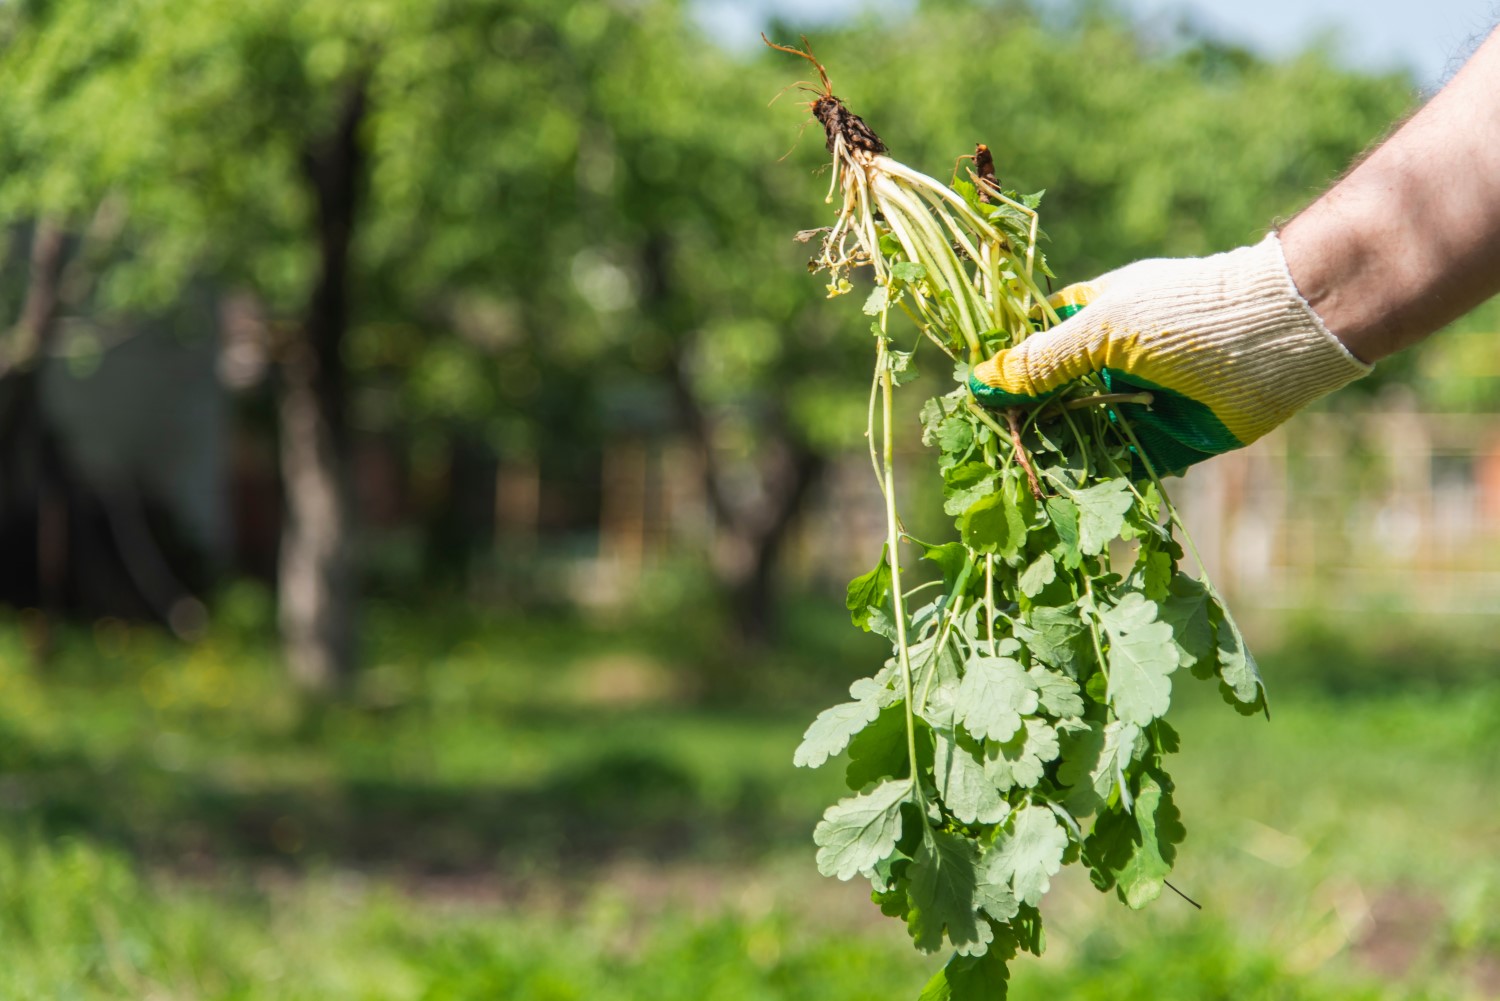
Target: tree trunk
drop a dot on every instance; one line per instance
(753, 590)
(316, 595)
(32, 478)
(751, 535)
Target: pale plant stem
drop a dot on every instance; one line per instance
(919, 221)
(1031, 253)
(953, 613)
(893, 542)
(887, 169)
(991, 270)
(1087, 466)
(1028, 271)
(922, 587)
(947, 218)
(1094, 626)
(984, 257)
(941, 346)
(840, 153)
(870, 420)
(925, 326)
(989, 598)
(867, 232)
(1101, 399)
(907, 231)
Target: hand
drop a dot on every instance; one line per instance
(1226, 345)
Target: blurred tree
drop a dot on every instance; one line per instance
(240, 143)
(230, 140)
(527, 231)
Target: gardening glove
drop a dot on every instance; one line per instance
(1226, 345)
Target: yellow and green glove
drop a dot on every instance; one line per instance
(1226, 345)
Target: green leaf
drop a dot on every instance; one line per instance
(1021, 761)
(996, 900)
(1093, 765)
(1238, 669)
(831, 732)
(1042, 572)
(1154, 573)
(1026, 930)
(932, 415)
(966, 483)
(869, 592)
(902, 369)
(1058, 693)
(908, 271)
(1033, 201)
(1186, 611)
(879, 750)
(993, 696)
(951, 557)
(1020, 510)
(1101, 514)
(955, 435)
(941, 708)
(961, 781)
(878, 301)
(1134, 852)
(1056, 636)
(1063, 515)
(943, 878)
(1028, 855)
(1080, 751)
(971, 978)
(1141, 659)
(879, 687)
(986, 526)
(892, 902)
(859, 831)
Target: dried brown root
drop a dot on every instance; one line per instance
(984, 166)
(835, 117)
(1013, 419)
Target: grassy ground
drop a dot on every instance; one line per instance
(553, 810)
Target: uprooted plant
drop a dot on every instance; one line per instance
(1018, 724)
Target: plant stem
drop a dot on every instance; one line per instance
(880, 366)
(893, 541)
(989, 598)
(1098, 399)
(1088, 590)
(953, 612)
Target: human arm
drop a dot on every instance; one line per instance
(1409, 240)
(1231, 345)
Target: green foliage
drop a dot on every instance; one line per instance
(858, 832)
(446, 818)
(868, 593)
(559, 192)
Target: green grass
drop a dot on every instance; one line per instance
(548, 809)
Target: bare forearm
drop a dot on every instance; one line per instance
(1410, 239)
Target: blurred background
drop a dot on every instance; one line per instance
(429, 476)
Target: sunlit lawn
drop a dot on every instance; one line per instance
(552, 810)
